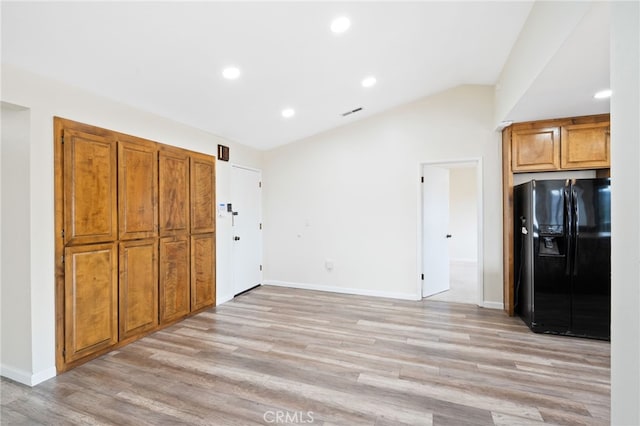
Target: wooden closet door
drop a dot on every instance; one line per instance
(173, 183)
(90, 204)
(174, 278)
(90, 299)
(203, 271)
(137, 189)
(138, 299)
(202, 194)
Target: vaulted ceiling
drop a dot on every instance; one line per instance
(168, 58)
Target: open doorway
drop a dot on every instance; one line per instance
(451, 231)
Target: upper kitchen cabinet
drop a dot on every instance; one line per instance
(585, 146)
(173, 183)
(535, 149)
(90, 176)
(137, 189)
(202, 194)
(561, 144)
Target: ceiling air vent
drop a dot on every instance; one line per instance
(344, 114)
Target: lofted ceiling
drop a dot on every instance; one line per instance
(167, 58)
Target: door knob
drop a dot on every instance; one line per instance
(448, 235)
(236, 238)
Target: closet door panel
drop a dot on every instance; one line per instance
(173, 185)
(203, 271)
(202, 194)
(137, 190)
(90, 299)
(138, 298)
(174, 278)
(90, 204)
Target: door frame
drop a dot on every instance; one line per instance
(231, 197)
(477, 163)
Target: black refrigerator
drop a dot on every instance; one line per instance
(562, 256)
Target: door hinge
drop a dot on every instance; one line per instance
(63, 233)
(259, 184)
(422, 277)
(422, 179)
(261, 267)
(261, 227)
(62, 259)
(62, 139)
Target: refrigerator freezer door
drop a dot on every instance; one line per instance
(551, 295)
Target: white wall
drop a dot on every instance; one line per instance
(534, 48)
(45, 99)
(625, 213)
(351, 195)
(15, 315)
(463, 214)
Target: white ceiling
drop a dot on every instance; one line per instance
(167, 57)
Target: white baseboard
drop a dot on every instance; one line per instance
(26, 378)
(43, 375)
(223, 299)
(493, 305)
(343, 290)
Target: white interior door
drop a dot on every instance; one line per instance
(435, 237)
(247, 234)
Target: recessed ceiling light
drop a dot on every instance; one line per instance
(340, 25)
(231, 73)
(288, 113)
(603, 94)
(369, 81)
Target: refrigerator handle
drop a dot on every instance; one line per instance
(574, 202)
(567, 231)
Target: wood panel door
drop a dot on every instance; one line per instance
(138, 287)
(174, 278)
(203, 201)
(137, 189)
(90, 299)
(90, 179)
(585, 146)
(173, 185)
(535, 149)
(203, 271)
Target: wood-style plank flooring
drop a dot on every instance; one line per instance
(286, 356)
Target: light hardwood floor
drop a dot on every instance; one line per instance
(278, 355)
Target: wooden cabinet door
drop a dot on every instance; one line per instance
(138, 299)
(90, 299)
(203, 271)
(535, 149)
(585, 146)
(90, 205)
(137, 190)
(174, 278)
(173, 184)
(203, 201)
